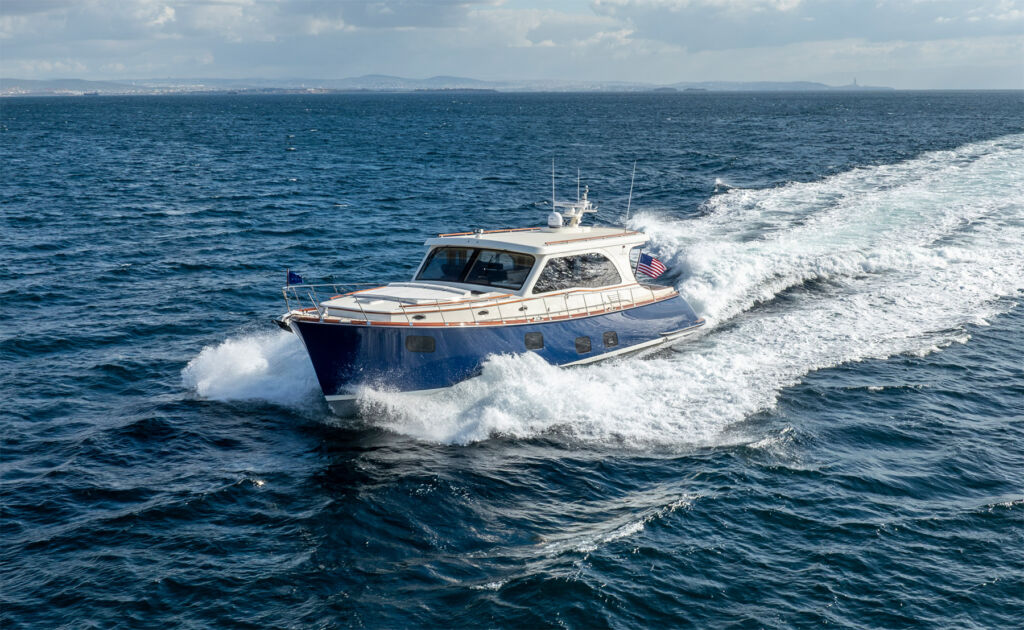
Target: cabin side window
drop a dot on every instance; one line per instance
(634, 260)
(634, 257)
(585, 270)
(420, 343)
(534, 340)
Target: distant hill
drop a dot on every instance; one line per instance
(770, 86)
(382, 82)
(386, 83)
(61, 87)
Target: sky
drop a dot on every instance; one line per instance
(910, 44)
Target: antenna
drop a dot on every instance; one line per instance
(630, 202)
(577, 185)
(552, 184)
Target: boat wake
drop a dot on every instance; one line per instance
(870, 263)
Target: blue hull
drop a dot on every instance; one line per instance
(347, 356)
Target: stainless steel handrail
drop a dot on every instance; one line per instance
(310, 291)
(610, 299)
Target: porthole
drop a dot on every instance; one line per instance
(419, 343)
(418, 317)
(611, 339)
(582, 345)
(534, 340)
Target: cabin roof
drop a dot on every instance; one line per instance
(543, 240)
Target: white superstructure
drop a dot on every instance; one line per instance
(498, 277)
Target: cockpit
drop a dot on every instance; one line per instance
(511, 271)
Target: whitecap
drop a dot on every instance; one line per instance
(271, 366)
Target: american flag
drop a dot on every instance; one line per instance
(650, 266)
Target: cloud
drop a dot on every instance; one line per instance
(408, 13)
(524, 28)
(166, 15)
(62, 67)
(725, 24)
(922, 43)
(727, 6)
(29, 7)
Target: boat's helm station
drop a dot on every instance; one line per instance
(573, 213)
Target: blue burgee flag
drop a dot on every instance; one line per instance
(293, 278)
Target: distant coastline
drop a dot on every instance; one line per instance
(390, 84)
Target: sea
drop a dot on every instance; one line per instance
(843, 446)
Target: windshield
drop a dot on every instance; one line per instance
(488, 267)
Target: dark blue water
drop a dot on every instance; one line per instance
(845, 445)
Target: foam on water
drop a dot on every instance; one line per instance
(878, 261)
(587, 537)
(271, 366)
